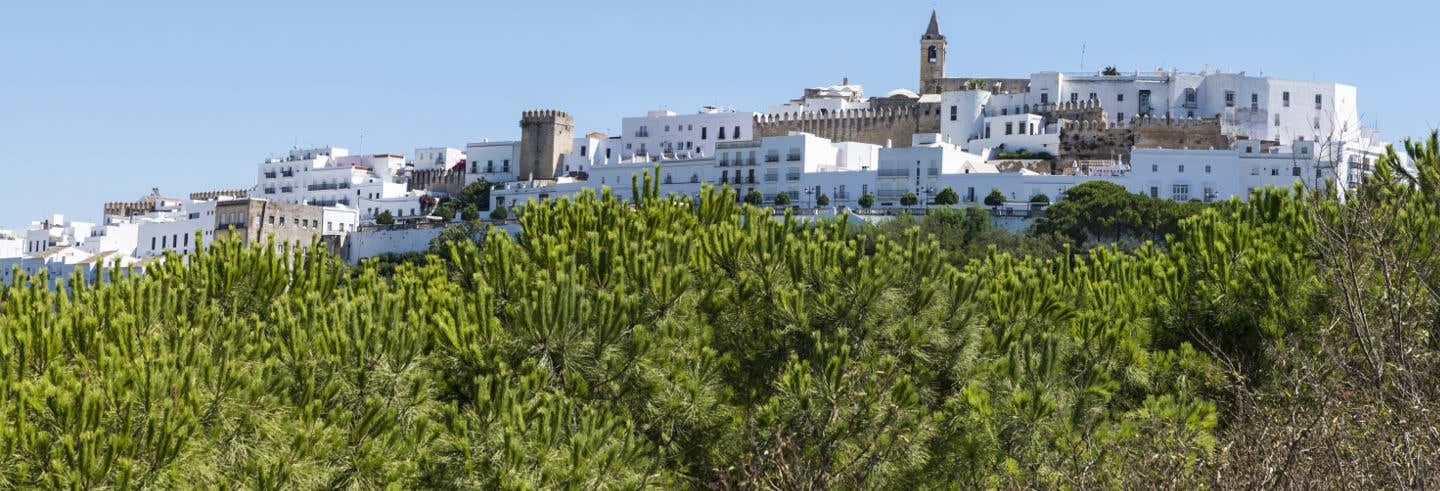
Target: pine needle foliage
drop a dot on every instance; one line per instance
(661, 342)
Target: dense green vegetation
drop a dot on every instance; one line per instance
(669, 342)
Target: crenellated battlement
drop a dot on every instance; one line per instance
(880, 126)
(545, 116)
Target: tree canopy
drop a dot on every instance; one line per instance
(670, 342)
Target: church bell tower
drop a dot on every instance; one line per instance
(932, 57)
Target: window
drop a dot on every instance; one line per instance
(1180, 192)
(702, 134)
(954, 112)
(1008, 128)
(187, 240)
(1154, 191)
(1094, 96)
(987, 130)
(582, 150)
(1074, 96)
(1119, 117)
(1004, 111)
(1254, 102)
(1044, 98)
(1295, 171)
(1318, 104)
(1182, 169)
(1207, 168)
(736, 134)
(1190, 97)
(152, 242)
(1119, 97)
(1317, 125)
(933, 54)
(1284, 100)
(1229, 98)
(1154, 167)
(1277, 119)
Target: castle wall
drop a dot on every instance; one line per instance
(895, 126)
(1102, 140)
(441, 180)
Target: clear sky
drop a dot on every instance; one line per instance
(103, 100)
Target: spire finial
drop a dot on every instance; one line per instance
(934, 29)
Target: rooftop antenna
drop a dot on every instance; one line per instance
(1082, 57)
(361, 150)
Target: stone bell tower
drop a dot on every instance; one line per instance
(932, 57)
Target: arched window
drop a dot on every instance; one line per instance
(934, 54)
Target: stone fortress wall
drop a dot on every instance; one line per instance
(895, 125)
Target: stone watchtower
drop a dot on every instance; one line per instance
(546, 136)
(932, 57)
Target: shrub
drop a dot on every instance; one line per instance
(995, 198)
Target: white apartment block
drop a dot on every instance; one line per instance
(664, 134)
(330, 177)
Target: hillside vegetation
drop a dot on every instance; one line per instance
(654, 341)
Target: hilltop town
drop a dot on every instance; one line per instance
(1168, 134)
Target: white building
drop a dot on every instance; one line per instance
(1210, 175)
(495, 161)
(330, 176)
(54, 231)
(1248, 107)
(825, 99)
(11, 244)
(433, 158)
(664, 134)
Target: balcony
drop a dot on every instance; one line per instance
(792, 176)
(270, 175)
(287, 189)
(772, 158)
(772, 177)
(794, 157)
(287, 173)
(324, 187)
(269, 190)
(894, 172)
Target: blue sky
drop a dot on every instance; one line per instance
(100, 101)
